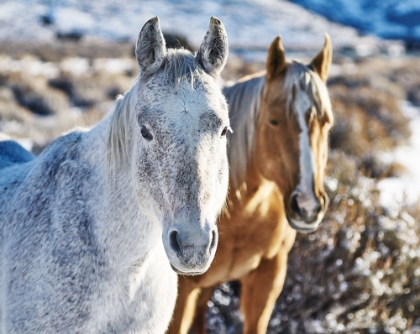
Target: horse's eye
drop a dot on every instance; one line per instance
(274, 122)
(224, 131)
(146, 133)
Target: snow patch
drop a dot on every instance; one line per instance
(404, 189)
(250, 24)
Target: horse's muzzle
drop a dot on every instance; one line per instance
(305, 212)
(191, 253)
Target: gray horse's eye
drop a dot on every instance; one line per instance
(224, 131)
(146, 133)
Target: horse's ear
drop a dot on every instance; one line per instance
(322, 62)
(150, 47)
(213, 52)
(276, 59)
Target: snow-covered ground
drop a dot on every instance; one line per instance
(404, 189)
(249, 23)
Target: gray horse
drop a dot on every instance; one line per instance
(90, 229)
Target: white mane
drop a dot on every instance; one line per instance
(118, 131)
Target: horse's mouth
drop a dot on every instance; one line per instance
(303, 227)
(179, 272)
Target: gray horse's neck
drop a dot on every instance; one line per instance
(93, 239)
(119, 210)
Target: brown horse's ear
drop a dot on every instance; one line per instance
(276, 60)
(322, 62)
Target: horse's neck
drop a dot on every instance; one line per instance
(253, 188)
(244, 102)
(125, 229)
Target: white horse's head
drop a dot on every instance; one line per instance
(176, 145)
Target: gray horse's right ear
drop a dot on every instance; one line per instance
(213, 52)
(150, 47)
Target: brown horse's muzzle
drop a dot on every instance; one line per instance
(305, 210)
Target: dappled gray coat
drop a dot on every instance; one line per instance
(89, 230)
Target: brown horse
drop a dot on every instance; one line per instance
(277, 154)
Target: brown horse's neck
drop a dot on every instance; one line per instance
(252, 185)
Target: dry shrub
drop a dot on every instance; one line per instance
(236, 68)
(366, 120)
(42, 105)
(357, 274)
(55, 52)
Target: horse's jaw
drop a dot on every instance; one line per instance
(302, 226)
(186, 271)
(190, 245)
(192, 273)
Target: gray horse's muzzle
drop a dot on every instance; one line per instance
(191, 250)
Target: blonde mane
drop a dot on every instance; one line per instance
(244, 99)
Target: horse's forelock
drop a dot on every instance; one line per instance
(299, 76)
(181, 65)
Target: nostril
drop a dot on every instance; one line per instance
(174, 241)
(213, 240)
(294, 205)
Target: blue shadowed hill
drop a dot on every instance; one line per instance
(385, 18)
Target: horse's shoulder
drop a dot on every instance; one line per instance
(38, 182)
(11, 179)
(63, 148)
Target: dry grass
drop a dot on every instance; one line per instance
(46, 90)
(358, 273)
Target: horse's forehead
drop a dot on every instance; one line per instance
(189, 98)
(201, 97)
(288, 99)
(275, 95)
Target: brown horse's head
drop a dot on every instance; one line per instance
(292, 133)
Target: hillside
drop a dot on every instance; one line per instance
(383, 18)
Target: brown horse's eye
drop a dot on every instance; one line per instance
(274, 122)
(224, 131)
(146, 133)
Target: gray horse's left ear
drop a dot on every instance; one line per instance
(213, 52)
(150, 47)
(322, 61)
